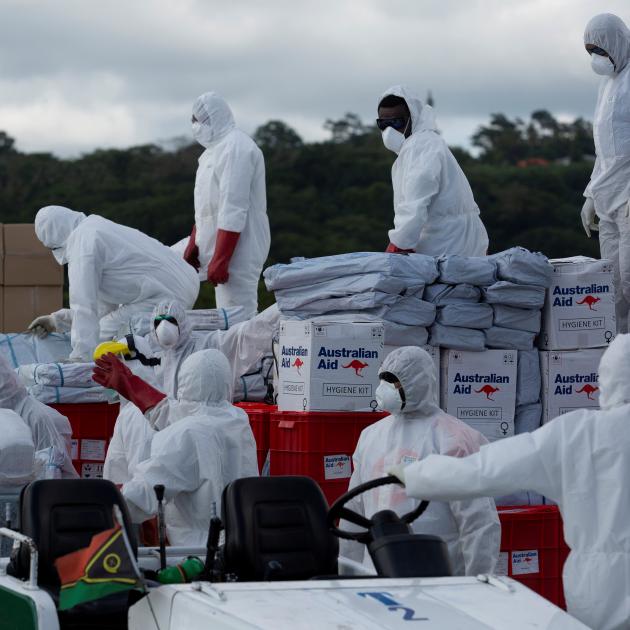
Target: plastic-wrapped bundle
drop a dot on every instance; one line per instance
(24, 348)
(413, 268)
(528, 418)
(254, 386)
(294, 298)
(519, 295)
(521, 266)
(57, 374)
(528, 380)
(509, 339)
(443, 294)
(527, 319)
(476, 270)
(465, 315)
(216, 318)
(57, 395)
(457, 338)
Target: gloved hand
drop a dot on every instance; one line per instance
(394, 249)
(191, 253)
(398, 471)
(114, 374)
(42, 326)
(588, 217)
(223, 251)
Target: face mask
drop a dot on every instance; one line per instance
(388, 398)
(393, 140)
(202, 133)
(602, 65)
(60, 255)
(167, 334)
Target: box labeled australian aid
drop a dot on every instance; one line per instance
(479, 388)
(579, 307)
(328, 365)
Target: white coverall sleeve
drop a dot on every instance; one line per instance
(162, 415)
(529, 461)
(235, 172)
(170, 464)
(349, 548)
(63, 320)
(116, 467)
(596, 168)
(420, 184)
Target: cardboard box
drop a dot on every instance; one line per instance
(26, 261)
(329, 366)
(570, 381)
(579, 308)
(479, 388)
(21, 305)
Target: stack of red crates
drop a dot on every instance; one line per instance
(258, 414)
(318, 444)
(92, 429)
(533, 548)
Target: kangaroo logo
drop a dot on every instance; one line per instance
(298, 363)
(488, 390)
(588, 389)
(357, 366)
(590, 301)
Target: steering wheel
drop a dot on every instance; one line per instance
(339, 510)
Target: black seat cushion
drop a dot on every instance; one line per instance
(281, 519)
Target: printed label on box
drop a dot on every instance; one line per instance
(524, 562)
(337, 467)
(93, 450)
(91, 471)
(344, 389)
(293, 389)
(502, 563)
(74, 449)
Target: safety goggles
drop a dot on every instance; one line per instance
(396, 123)
(597, 51)
(164, 318)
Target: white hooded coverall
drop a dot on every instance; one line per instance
(203, 442)
(230, 195)
(470, 528)
(581, 460)
(115, 273)
(609, 187)
(434, 209)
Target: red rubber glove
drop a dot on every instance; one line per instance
(114, 374)
(223, 251)
(393, 249)
(191, 253)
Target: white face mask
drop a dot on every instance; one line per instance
(393, 140)
(167, 334)
(202, 133)
(602, 65)
(388, 398)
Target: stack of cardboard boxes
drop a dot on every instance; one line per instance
(32, 280)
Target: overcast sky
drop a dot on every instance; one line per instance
(80, 74)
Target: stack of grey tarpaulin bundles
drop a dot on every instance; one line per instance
(362, 285)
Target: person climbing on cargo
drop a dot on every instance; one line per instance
(415, 429)
(607, 41)
(580, 460)
(230, 239)
(434, 209)
(202, 443)
(116, 276)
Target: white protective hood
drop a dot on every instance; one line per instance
(53, 226)
(205, 377)
(610, 33)
(213, 112)
(614, 374)
(17, 451)
(422, 115)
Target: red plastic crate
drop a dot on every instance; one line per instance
(317, 444)
(92, 429)
(258, 414)
(536, 529)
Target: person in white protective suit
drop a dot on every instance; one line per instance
(131, 440)
(18, 465)
(434, 209)
(116, 275)
(230, 239)
(415, 429)
(202, 443)
(51, 431)
(581, 460)
(607, 40)
(244, 344)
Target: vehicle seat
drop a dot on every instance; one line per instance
(277, 520)
(61, 516)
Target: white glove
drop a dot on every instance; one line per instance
(588, 217)
(42, 326)
(398, 471)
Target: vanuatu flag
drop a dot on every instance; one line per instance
(106, 566)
